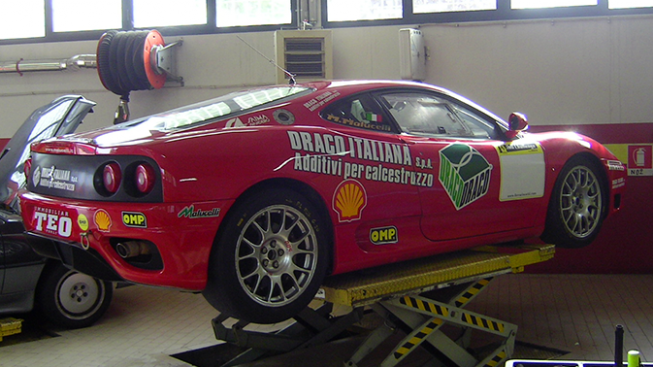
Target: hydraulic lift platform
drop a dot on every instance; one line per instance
(417, 298)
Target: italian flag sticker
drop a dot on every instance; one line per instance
(372, 117)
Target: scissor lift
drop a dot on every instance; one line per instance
(418, 297)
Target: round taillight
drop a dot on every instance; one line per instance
(27, 167)
(145, 178)
(111, 177)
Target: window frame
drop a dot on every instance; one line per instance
(502, 13)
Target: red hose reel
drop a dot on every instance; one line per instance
(129, 61)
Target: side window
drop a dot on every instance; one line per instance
(361, 111)
(420, 113)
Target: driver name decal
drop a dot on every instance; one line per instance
(464, 174)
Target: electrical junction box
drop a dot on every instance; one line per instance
(412, 54)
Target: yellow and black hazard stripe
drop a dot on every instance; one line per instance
(482, 322)
(424, 306)
(417, 339)
(471, 292)
(496, 359)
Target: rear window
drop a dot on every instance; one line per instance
(230, 104)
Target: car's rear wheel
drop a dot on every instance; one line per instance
(577, 206)
(269, 259)
(71, 299)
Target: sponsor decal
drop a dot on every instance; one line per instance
(102, 220)
(134, 219)
(321, 100)
(82, 222)
(615, 166)
(384, 235)
(330, 154)
(349, 200)
(234, 122)
(191, 212)
(54, 178)
(53, 221)
(251, 121)
(619, 182)
(464, 174)
(283, 117)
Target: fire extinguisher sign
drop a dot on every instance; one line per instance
(640, 160)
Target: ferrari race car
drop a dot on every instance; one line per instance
(255, 197)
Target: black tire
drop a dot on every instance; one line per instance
(577, 206)
(70, 299)
(269, 258)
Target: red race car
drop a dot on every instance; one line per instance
(255, 197)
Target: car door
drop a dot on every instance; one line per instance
(478, 188)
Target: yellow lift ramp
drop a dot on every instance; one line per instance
(418, 297)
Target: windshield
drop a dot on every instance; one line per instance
(229, 104)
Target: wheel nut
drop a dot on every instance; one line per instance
(266, 262)
(280, 252)
(275, 264)
(273, 244)
(264, 250)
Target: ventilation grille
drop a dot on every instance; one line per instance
(305, 54)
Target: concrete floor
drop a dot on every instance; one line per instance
(144, 326)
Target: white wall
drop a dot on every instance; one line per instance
(597, 70)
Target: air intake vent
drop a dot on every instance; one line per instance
(306, 54)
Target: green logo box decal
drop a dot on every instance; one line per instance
(464, 174)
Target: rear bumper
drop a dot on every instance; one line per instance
(85, 235)
(87, 262)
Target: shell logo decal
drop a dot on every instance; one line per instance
(102, 220)
(349, 200)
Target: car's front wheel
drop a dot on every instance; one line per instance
(70, 299)
(269, 258)
(577, 206)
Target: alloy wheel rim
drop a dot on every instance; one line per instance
(276, 255)
(581, 203)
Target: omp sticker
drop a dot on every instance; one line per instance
(134, 219)
(522, 170)
(102, 220)
(464, 174)
(349, 200)
(53, 221)
(384, 235)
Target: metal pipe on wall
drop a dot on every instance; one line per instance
(74, 63)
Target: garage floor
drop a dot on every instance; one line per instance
(573, 313)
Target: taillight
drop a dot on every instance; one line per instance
(27, 168)
(145, 178)
(111, 177)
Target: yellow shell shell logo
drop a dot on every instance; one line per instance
(102, 220)
(349, 200)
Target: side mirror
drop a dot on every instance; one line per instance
(517, 122)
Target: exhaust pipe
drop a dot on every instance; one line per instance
(130, 249)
